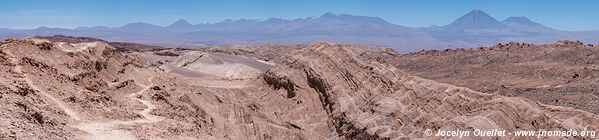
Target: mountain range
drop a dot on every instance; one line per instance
(474, 29)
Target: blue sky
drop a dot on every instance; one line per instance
(560, 14)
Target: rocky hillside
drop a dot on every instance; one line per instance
(565, 73)
(327, 91)
(61, 90)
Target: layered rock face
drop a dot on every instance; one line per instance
(327, 91)
(323, 91)
(365, 99)
(565, 73)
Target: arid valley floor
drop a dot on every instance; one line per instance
(64, 87)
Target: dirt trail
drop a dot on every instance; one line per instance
(148, 118)
(74, 115)
(97, 130)
(107, 130)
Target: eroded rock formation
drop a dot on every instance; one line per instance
(322, 91)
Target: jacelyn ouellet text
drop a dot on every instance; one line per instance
(503, 133)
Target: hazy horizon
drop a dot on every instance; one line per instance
(72, 14)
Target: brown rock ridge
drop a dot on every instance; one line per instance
(121, 46)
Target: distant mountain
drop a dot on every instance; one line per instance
(478, 28)
(474, 29)
(527, 25)
(93, 28)
(140, 26)
(476, 22)
(327, 24)
(181, 24)
(329, 27)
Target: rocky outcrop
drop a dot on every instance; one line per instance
(278, 82)
(568, 43)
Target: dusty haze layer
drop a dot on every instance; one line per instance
(90, 90)
(473, 29)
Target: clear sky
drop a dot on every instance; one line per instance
(21, 14)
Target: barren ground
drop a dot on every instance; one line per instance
(90, 90)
